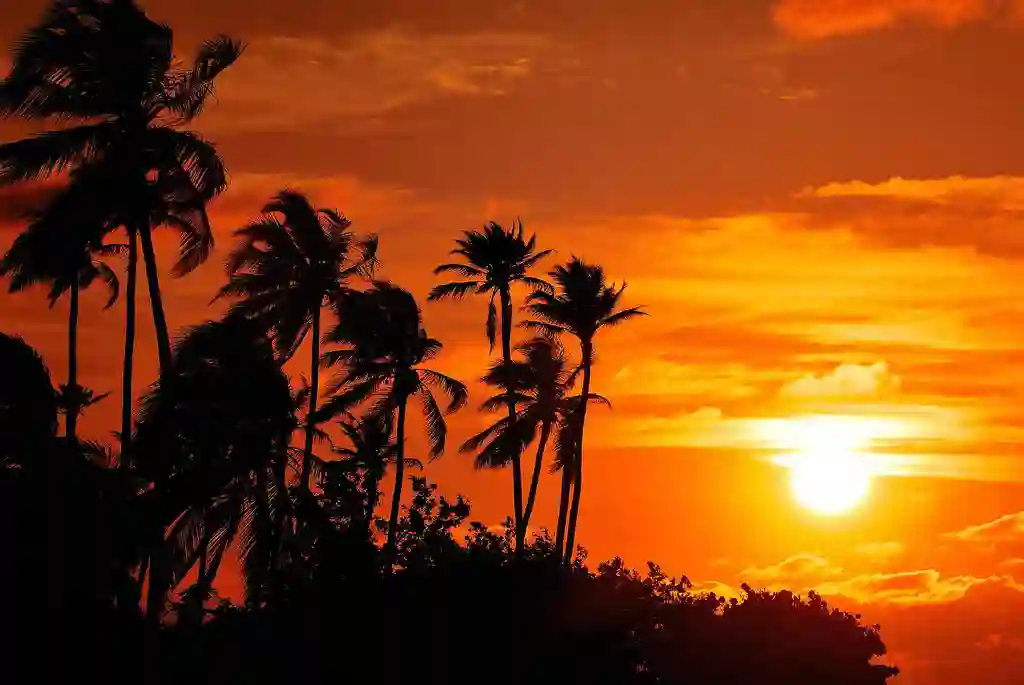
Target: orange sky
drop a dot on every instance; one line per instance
(818, 201)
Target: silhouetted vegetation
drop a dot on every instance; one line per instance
(114, 552)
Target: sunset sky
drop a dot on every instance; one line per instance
(819, 202)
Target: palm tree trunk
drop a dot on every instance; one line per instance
(72, 405)
(563, 510)
(268, 544)
(517, 467)
(577, 489)
(163, 340)
(129, 345)
(396, 499)
(545, 432)
(314, 381)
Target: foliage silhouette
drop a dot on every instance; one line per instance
(581, 305)
(104, 65)
(292, 262)
(494, 259)
(385, 346)
(39, 255)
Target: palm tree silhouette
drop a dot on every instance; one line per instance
(539, 385)
(384, 348)
(106, 66)
(494, 259)
(582, 304)
(222, 418)
(371, 450)
(286, 269)
(39, 255)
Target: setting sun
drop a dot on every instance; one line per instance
(830, 472)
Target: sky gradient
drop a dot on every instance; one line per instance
(819, 202)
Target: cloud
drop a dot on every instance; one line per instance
(799, 570)
(17, 201)
(880, 552)
(846, 381)
(1009, 528)
(815, 19)
(1006, 192)
(907, 212)
(288, 83)
(909, 587)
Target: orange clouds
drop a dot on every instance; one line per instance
(1009, 528)
(846, 381)
(812, 19)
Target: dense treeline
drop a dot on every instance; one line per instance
(115, 550)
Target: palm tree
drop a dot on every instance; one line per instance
(384, 349)
(539, 385)
(106, 66)
(39, 255)
(494, 259)
(292, 261)
(371, 450)
(582, 304)
(215, 436)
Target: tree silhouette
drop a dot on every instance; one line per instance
(539, 385)
(292, 262)
(385, 347)
(371, 450)
(582, 304)
(28, 402)
(222, 417)
(39, 255)
(494, 259)
(106, 66)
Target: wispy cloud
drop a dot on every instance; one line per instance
(814, 19)
(290, 83)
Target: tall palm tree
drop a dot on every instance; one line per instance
(582, 304)
(293, 261)
(384, 349)
(39, 255)
(494, 259)
(224, 418)
(106, 66)
(539, 384)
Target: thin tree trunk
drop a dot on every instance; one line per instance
(163, 340)
(372, 488)
(314, 381)
(538, 463)
(129, 346)
(577, 490)
(268, 548)
(517, 467)
(72, 400)
(563, 510)
(396, 499)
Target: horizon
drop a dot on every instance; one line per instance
(816, 203)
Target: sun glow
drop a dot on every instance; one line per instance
(829, 472)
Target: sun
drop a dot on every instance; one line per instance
(829, 473)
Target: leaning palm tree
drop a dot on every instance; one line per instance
(219, 424)
(38, 255)
(292, 262)
(582, 304)
(104, 65)
(494, 259)
(384, 347)
(539, 384)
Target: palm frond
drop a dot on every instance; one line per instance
(455, 291)
(462, 270)
(457, 392)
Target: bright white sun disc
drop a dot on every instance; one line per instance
(828, 482)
